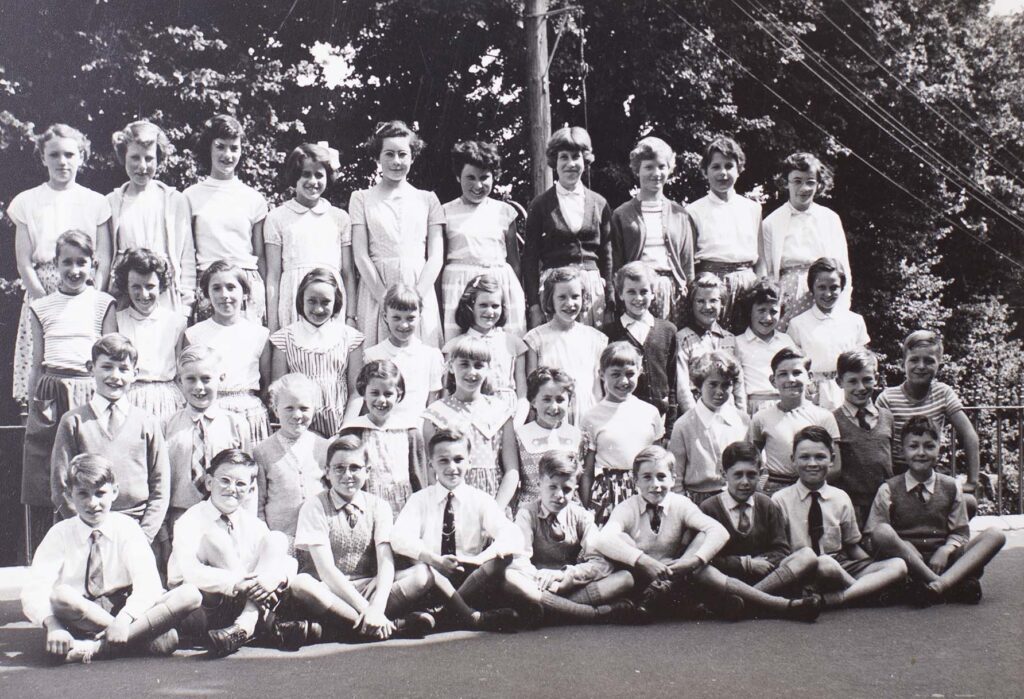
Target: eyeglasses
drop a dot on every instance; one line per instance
(225, 482)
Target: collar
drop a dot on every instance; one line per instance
(718, 201)
(912, 482)
(100, 404)
(492, 333)
(543, 512)
(715, 329)
(153, 317)
(83, 531)
(629, 321)
(851, 410)
(358, 501)
(708, 416)
(793, 211)
(395, 349)
(732, 503)
(319, 208)
(563, 192)
(330, 333)
(460, 491)
(396, 421)
(819, 314)
(750, 336)
(210, 414)
(805, 493)
(213, 514)
(650, 506)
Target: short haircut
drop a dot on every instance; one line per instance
(349, 439)
(620, 354)
(479, 154)
(63, 131)
(394, 129)
(117, 347)
(787, 353)
(296, 159)
(482, 283)
(475, 349)
(650, 148)
(702, 366)
(558, 463)
(707, 280)
(197, 353)
(383, 369)
(923, 339)
(145, 133)
(143, 262)
(635, 271)
(561, 275)
(231, 457)
(856, 361)
(805, 162)
(319, 274)
(447, 434)
(728, 148)
(740, 452)
(825, 265)
(814, 433)
(294, 383)
(574, 139)
(654, 454)
(402, 297)
(220, 266)
(765, 290)
(89, 471)
(545, 374)
(75, 239)
(920, 425)
(221, 126)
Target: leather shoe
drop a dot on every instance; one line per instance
(224, 642)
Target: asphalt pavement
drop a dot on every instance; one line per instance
(945, 651)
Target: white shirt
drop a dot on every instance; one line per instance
(732, 506)
(838, 519)
(422, 368)
(240, 347)
(102, 407)
(775, 428)
(63, 555)
(478, 519)
(156, 338)
(224, 212)
(723, 427)
(823, 337)
(755, 356)
(727, 230)
(640, 327)
(571, 203)
(801, 237)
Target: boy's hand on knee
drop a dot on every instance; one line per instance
(939, 560)
(550, 580)
(375, 624)
(243, 586)
(58, 642)
(117, 632)
(449, 565)
(761, 566)
(653, 568)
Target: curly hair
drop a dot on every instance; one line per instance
(63, 131)
(480, 154)
(145, 133)
(561, 275)
(805, 162)
(394, 129)
(142, 261)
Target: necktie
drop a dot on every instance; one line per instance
(94, 586)
(114, 419)
(229, 524)
(862, 419)
(199, 461)
(655, 511)
(351, 514)
(919, 492)
(448, 527)
(743, 527)
(815, 522)
(557, 533)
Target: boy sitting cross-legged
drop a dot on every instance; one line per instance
(94, 585)
(559, 569)
(920, 517)
(651, 533)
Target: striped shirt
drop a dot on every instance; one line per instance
(940, 404)
(691, 345)
(71, 324)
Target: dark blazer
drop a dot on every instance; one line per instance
(768, 537)
(549, 242)
(629, 235)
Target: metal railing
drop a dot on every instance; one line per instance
(1007, 418)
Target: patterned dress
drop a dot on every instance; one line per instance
(321, 353)
(576, 351)
(506, 349)
(482, 421)
(534, 441)
(395, 458)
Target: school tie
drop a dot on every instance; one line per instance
(655, 511)
(862, 419)
(94, 586)
(351, 514)
(199, 461)
(557, 533)
(815, 522)
(743, 526)
(448, 527)
(114, 419)
(229, 524)
(919, 492)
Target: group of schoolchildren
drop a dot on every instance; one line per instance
(467, 436)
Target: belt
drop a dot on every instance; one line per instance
(723, 267)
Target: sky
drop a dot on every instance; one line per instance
(1006, 7)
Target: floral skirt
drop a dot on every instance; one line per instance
(796, 298)
(159, 398)
(396, 494)
(486, 479)
(610, 488)
(248, 405)
(668, 303)
(50, 278)
(737, 279)
(457, 275)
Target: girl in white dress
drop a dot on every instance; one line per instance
(146, 213)
(397, 235)
(241, 343)
(304, 233)
(481, 237)
(566, 343)
(40, 215)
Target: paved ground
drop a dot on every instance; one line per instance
(950, 651)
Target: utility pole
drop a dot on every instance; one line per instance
(538, 93)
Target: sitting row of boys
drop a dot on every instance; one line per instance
(452, 559)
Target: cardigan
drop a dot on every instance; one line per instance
(629, 235)
(549, 242)
(657, 383)
(767, 537)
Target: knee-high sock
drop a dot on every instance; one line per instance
(405, 593)
(159, 618)
(564, 607)
(597, 592)
(474, 589)
(779, 579)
